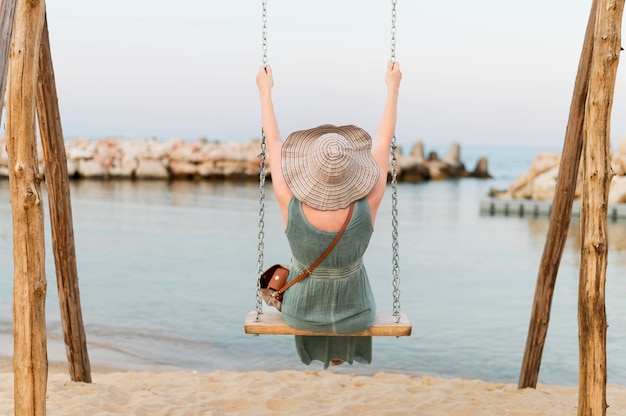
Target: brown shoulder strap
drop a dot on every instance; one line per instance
(332, 245)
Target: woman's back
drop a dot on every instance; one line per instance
(337, 296)
(325, 220)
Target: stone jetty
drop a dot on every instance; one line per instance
(539, 182)
(149, 158)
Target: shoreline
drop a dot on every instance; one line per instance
(59, 368)
(306, 392)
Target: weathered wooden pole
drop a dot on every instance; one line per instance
(30, 360)
(57, 183)
(592, 323)
(560, 217)
(7, 12)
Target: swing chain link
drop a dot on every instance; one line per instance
(394, 233)
(393, 30)
(264, 3)
(262, 155)
(395, 267)
(261, 235)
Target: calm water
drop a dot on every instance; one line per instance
(167, 275)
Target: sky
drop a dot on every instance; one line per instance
(475, 72)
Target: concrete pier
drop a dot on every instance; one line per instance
(536, 208)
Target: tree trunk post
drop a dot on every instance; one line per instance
(57, 183)
(560, 217)
(7, 14)
(592, 323)
(30, 360)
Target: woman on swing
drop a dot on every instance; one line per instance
(316, 175)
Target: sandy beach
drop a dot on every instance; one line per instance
(304, 392)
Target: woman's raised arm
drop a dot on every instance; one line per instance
(265, 82)
(385, 134)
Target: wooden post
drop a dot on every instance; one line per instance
(560, 217)
(57, 183)
(592, 324)
(30, 361)
(7, 13)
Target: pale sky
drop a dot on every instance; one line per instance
(475, 71)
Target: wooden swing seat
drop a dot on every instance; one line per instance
(271, 323)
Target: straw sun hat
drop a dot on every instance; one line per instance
(328, 167)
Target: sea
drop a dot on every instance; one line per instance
(167, 274)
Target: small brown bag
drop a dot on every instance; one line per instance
(273, 281)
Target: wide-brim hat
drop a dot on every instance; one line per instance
(328, 167)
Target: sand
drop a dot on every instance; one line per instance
(294, 393)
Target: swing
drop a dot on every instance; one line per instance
(271, 323)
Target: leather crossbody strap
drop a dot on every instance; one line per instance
(332, 245)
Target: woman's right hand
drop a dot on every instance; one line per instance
(265, 80)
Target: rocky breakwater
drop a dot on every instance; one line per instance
(201, 159)
(416, 167)
(539, 182)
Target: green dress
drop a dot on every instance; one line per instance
(337, 296)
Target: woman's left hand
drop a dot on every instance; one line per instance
(393, 77)
(265, 80)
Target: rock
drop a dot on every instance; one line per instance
(437, 169)
(618, 164)
(167, 147)
(151, 169)
(544, 162)
(523, 186)
(417, 152)
(123, 167)
(193, 152)
(90, 168)
(4, 156)
(183, 168)
(617, 191)
(72, 168)
(81, 148)
(108, 154)
(453, 157)
(207, 169)
(229, 167)
(412, 169)
(544, 185)
(481, 169)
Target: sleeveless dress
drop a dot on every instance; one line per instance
(337, 296)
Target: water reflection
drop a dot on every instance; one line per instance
(169, 193)
(616, 233)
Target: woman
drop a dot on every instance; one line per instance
(316, 175)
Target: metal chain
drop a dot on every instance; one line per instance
(393, 30)
(262, 155)
(264, 60)
(261, 235)
(395, 263)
